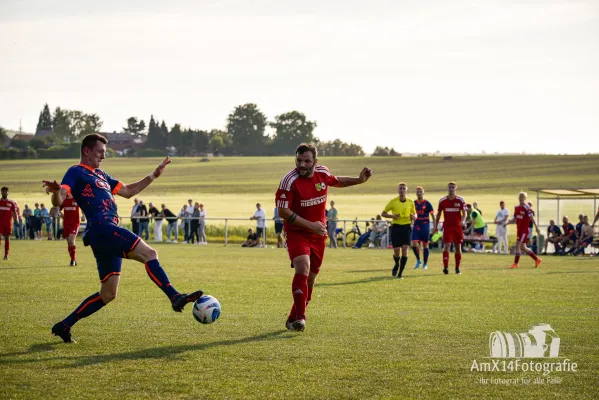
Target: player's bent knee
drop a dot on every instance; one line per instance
(107, 296)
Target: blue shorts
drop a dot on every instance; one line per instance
(421, 233)
(480, 231)
(110, 244)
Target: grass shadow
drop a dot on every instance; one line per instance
(167, 352)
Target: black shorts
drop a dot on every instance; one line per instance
(401, 235)
(259, 232)
(278, 228)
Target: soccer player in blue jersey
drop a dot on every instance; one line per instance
(421, 231)
(93, 189)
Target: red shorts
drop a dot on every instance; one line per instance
(453, 234)
(69, 230)
(522, 237)
(304, 244)
(6, 230)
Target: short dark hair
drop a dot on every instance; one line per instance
(89, 141)
(304, 147)
(4, 188)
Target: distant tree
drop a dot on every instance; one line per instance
(385, 151)
(339, 148)
(3, 136)
(291, 129)
(44, 121)
(246, 125)
(175, 138)
(156, 137)
(61, 124)
(164, 135)
(221, 142)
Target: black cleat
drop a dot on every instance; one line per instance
(5, 258)
(457, 271)
(299, 325)
(445, 271)
(73, 263)
(182, 299)
(394, 271)
(63, 332)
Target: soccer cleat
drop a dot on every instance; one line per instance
(5, 257)
(538, 262)
(63, 332)
(417, 264)
(425, 266)
(299, 325)
(399, 277)
(182, 299)
(514, 266)
(394, 270)
(457, 271)
(289, 325)
(73, 263)
(445, 271)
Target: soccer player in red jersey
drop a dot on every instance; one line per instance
(8, 211)
(70, 210)
(454, 212)
(524, 216)
(301, 201)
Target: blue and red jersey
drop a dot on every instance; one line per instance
(423, 211)
(94, 191)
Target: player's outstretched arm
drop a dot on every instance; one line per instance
(58, 192)
(292, 218)
(132, 189)
(345, 181)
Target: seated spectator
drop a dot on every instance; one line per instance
(380, 229)
(554, 234)
(365, 236)
(252, 239)
(568, 235)
(586, 236)
(477, 226)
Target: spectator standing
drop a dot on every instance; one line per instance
(28, 222)
(500, 229)
(135, 216)
(181, 225)
(195, 224)
(17, 223)
(171, 220)
(144, 220)
(203, 215)
(278, 228)
(157, 216)
(332, 225)
(55, 217)
(45, 218)
(37, 222)
(260, 217)
(188, 213)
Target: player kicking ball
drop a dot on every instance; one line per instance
(93, 190)
(301, 201)
(523, 215)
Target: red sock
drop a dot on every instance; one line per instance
(517, 259)
(73, 256)
(70, 252)
(445, 259)
(458, 258)
(532, 255)
(299, 290)
(6, 245)
(292, 314)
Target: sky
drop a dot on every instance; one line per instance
(416, 75)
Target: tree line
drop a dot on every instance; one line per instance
(245, 134)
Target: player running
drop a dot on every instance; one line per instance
(70, 229)
(8, 212)
(421, 231)
(524, 216)
(454, 212)
(301, 200)
(93, 190)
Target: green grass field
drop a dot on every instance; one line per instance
(369, 335)
(230, 187)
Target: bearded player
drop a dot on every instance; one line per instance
(70, 209)
(524, 216)
(301, 201)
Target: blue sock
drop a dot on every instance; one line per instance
(158, 275)
(425, 255)
(89, 306)
(416, 252)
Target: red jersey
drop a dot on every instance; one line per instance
(307, 197)
(71, 211)
(523, 215)
(7, 208)
(452, 211)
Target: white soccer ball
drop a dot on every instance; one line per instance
(206, 309)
